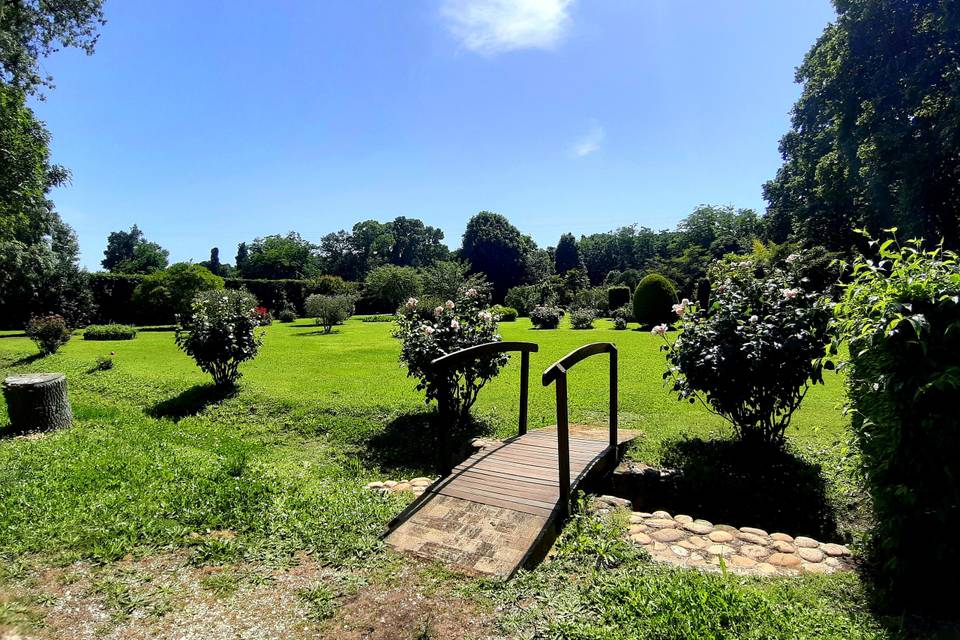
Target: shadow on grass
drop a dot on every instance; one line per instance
(745, 484)
(316, 332)
(13, 335)
(410, 441)
(157, 329)
(33, 357)
(191, 402)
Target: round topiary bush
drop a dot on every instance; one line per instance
(653, 301)
(504, 314)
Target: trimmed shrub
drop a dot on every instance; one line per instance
(220, 333)
(582, 318)
(109, 332)
(653, 301)
(546, 317)
(329, 310)
(287, 314)
(618, 296)
(504, 314)
(753, 355)
(49, 332)
(900, 315)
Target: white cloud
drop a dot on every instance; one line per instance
(490, 27)
(589, 141)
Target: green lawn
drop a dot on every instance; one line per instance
(155, 461)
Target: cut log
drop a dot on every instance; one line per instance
(37, 401)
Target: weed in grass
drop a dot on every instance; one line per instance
(319, 600)
(223, 584)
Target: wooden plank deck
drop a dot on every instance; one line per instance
(497, 510)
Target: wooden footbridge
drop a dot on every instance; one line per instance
(501, 508)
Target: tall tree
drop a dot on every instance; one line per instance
(213, 264)
(496, 248)
(276, 256)
(131, 252)
(567, 254)
(875, 135)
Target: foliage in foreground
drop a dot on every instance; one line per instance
(221, 333)
(752, 356)
(901, 316)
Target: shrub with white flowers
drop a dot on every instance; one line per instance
(752, 356)
(221, 332)
(429, 333)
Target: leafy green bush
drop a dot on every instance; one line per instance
(618, 296)
(592, 298)
(546, 317)
(109, 332)
(504, 314)
(901, 316)
(104, 363)
(220, 333)
(287, 314)
(388, 286)
(622, 317)
(50, 332)
(329, 310)
(582, 318)
(427, 335)
(753, 355)
(524, 298)
(163, 295)
(653, 300)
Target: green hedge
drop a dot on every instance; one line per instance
(618, 296)
(113, 297)
(109, 332)
(653, 301)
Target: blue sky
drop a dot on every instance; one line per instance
(210, 123)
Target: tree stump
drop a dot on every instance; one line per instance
(37, 401)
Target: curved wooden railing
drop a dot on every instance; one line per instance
(557, 373)
(457, 358)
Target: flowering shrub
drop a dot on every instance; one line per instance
(50, 332)
(621, 317)
(546, 317)
(220, 333)
(329, 310)
(428, 334)
(264, 318)
(582, 318)
(752, 356)
(287, 314)
(900, 314)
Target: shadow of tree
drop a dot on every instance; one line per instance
(316, 332)
(13, 335)
(33, 357)
(746, 484)
(409, 441)
(190, 402)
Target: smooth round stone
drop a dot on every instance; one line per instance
(661, 523)
(719, 550)
(390, 484)
(679, 551)
(805, 542)
(754, 531)
(701, 528)
(698, 542)
(782, 537)
(727, 528)
(637, 528)
(686, 544)
(784, 560)
(658, 546)
(783, 547)
(833, 562)
(765, 569)
(810, 555)
(752, 538)
(636, 518)
(742, 562)
(817, 568)
(667, 535)
(702, 521)
(641, 538)
(402, 486)
(662, 514)
(683, 519)
(835, 550)
(422, 481)
(643, 514)
(695, 558)
(720, 536)
(374, 485)
(754, 551)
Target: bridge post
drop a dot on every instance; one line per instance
(613, 401)
(563, 447)
(524, 389)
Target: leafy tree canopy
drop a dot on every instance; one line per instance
(277, 257)
(131, 252)
(495, 247)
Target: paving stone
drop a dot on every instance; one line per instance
(719, 550)
(818, 567)
(662, 514)
(834, 550)
(810, 555)
(660, 523)
(784, 560)
(679, 551)
(752, 538)
(754, 551)
(742, 562)
(782, 537)
(807, 543)
(641, 538)
(683, 519)
(667, 535)
(701, 528)
(783, 547)
(754, 531)
(720, 536)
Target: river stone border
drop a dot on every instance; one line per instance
(414, 485)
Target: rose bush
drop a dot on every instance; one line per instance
(753, 354)
(429, 333)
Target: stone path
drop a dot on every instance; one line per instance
(682, 540)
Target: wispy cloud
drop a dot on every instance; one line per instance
(589, 142)
(490, 27)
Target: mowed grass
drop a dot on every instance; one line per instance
(157, 460)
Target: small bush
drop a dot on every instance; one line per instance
(287, 314)
(383, 317)
(653, 301)
(109, 332)
(104, 363)
(221, 333)
(622, 317)
(582, 318)
(329, 310)
(504, 314)
(50, 332)
(546, 317)
(618, 296)
(264, 317)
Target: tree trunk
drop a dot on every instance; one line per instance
(37, 401)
